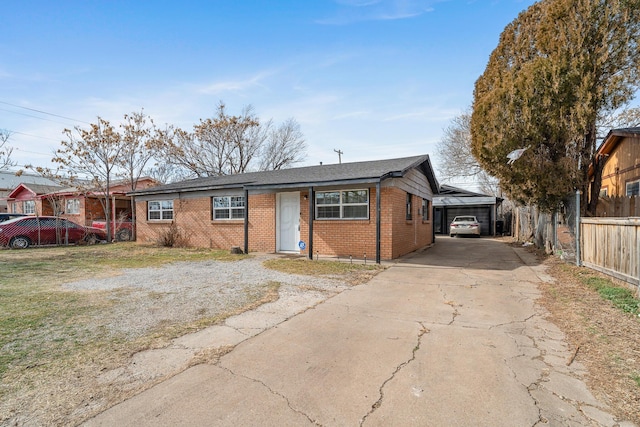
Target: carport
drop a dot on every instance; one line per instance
(454, 201)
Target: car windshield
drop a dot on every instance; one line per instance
(464, 219)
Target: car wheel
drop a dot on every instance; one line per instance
(123, 235)
(91, 239)
(20, 242)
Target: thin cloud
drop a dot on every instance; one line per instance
(350, 11)
(351, 115)
(236, 85)
(430, 115)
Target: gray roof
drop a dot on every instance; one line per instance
(9, 180)
(454, 196)
(334, 174)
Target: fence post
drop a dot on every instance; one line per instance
(554, 231)
(638, 260)
(578, 260)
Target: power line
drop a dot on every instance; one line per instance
(31, 115)
(33, 136)
(41, 112)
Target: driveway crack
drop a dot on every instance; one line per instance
(275, 393)
(378, 403)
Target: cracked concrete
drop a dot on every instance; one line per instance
(449, 336)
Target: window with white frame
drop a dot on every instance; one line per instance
(633, 188)
(14, 207)
(409, 206)
(346, 204)
(426, 209)
(228, 207)
(29, 207)
(160, 210)
(72, 207)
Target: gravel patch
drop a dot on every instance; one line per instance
(146, 297)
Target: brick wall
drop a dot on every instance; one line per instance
(262, 223)
(399, 236)
(341, 237)
(407, 235)
(193, 219)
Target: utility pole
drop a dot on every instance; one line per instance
(340, 153)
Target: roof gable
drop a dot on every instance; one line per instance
(612, 142)
(33, 190)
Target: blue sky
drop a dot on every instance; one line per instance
(374, 78)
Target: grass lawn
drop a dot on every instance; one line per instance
(38, 320)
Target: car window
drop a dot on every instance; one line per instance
(30, 222)
(48, 222)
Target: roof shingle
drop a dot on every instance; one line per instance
(305, 176)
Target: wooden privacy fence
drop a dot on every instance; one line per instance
(611, 245)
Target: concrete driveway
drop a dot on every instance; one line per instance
(451, 336)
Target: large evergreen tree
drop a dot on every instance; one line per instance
(558, 67)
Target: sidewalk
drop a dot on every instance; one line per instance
(451, 336)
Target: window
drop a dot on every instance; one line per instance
(348, 204)
(426, 209)
(633, 188)
(29, 207)
(228, 207)
(73, 206)
(14, 207)
(409, 205)
(604, 192)
(160, 210)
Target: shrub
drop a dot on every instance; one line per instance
(173, 237)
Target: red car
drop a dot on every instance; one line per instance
(20, 233)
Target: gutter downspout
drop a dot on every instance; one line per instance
(246, 221)
(311, 215)
(378, 215)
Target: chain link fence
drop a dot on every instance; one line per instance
(23, 232)
(555, 232)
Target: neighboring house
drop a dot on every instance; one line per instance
(378, 209)
(9, 181)
(453, 201)
(81, 208)
(621, 172)
(30, 199)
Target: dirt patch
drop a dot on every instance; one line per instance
(604, 339)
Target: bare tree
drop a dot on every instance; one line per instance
(284, 147)
(454, 149)
(227, 144)
(87, 161)
(457, 160)
(5, 150)
(625, 118)
(140, 142)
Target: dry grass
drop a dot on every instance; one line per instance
(354, 274)
(50, 349)
(605, 338)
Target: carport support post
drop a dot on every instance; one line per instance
(311, 215)
(378, 215)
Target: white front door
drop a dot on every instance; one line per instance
(288, 227)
